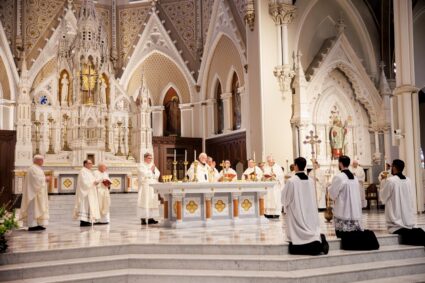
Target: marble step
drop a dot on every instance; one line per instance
(414, 278)
(205, 262)
(344, 273)
(170, 249)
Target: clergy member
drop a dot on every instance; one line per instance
(302, 219)
(319, 181)
(86, 207)
(290, 173)
(228, 174)
(253, 172)
(202, 170)
(35, 204)
(397, 195)
(148, 203)
(358, 171)
(384, 175)
(273, 204)
(103, 193)
(347, 210)
(214, 175)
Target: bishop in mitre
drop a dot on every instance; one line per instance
(273, 204)
(319, 181)
(147, 202)
(86, 207)
(202, 171)
(358, 171)
(35, 204)
(253, 172)
(227, 173)
(397, 195)
(302, 218)
(103, 193)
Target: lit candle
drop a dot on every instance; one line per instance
(253, 156)
(185, 155)
(174, 155)
(194, 155)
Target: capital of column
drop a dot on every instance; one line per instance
(157, 108)
(284, 75)
(400, 90)
(282, 13)
(226, 95)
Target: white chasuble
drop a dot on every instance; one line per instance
(320, 185)
(103, 195)
(35, 203)
(249, 172)
(273, 203)
(396, 194)
(86, 201)
(202, 172)
(147, 202)
(302, 217)
(228, 172)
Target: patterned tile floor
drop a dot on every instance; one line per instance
(127, 230)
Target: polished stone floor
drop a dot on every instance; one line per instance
(127, 230)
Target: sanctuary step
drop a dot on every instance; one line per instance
(212, 263)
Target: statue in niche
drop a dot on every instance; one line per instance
(103, 88)
(337, 135)
(237, 111)
(172, 111)
(64, 90)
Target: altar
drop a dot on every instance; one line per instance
(209, 204)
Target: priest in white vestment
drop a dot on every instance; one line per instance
(86, 207)
(290, 173)
(253, 172)
(384, 175)
(202, 171)
(103, 193)
(273, 204)
(228, 174)
(358, 171)
(35, 204)
(214, 175)
(147, 203)
(302, 218)
(398, 196)
(319, 181)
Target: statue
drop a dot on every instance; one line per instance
(173, 116)
(64, 90)
(337, 137)
(103, 87)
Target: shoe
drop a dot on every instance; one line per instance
(84, 224)
(101, 223)
(152, 221)
(143, 221)
(267, 216)
(36, 228)
(325, 244)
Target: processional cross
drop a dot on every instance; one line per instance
(313, 139)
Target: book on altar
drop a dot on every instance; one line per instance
(107, 182)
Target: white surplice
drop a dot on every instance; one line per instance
(273, 203)
(320, 185)
(103, 196)
(86, 202)
(35, 203)
(396, 194)
(302, 217)
(361, 177)
(147, 202)
(250, 171)
(202, 172)
(229, 171)
(347, 208)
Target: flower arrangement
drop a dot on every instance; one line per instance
(7, 222)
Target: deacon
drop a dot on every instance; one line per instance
(319, 181)
(347, 210)
(397, 195)
(253, 172)
(86, 207)
(358, 171)
(103, 193)
(228, 173)
(214, 175)
(202, 171)
(302, 219)
(35, 204)
(148, 203)
(273, 204)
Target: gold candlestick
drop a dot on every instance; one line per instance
(185, 179)
(195, 171)
(37, 136)
(129, 154)
(50, 151)
(107, 149)
(119, 152)
(175, 171)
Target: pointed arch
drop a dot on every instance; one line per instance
(171, 113)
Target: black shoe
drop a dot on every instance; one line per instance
(152, 221)
(276, 216)
(36, 228)
(84, 224)
(267, 216)
(101, 223)
(143, 221)
(325, 244)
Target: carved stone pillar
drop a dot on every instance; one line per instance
(158, 121)
(228, 113)
(210, 117)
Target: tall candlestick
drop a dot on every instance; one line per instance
(174, 155)
(253, 156)
(185, 155)
(194, 155)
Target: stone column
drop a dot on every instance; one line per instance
(157, 120)
(244, 107)
(186, 120)
(210, 121)
(228, 113)
(407, 96)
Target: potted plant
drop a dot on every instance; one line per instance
(7, 223)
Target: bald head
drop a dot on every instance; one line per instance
(38, 159)
(355, 163)
(270, 160)
(203, 157)
(102, 167)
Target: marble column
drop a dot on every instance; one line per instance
(228, 113)
(407, 96)
(158, 120)
(210, 117)
(244, 107)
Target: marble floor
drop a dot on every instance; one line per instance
(127, 230)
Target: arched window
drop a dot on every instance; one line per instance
(172, 124)
(219, 111)
(236, 103)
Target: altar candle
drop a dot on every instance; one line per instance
(253, 156)
(174, 155)
(185, 155)
(194, 155)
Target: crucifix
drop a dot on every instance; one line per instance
(313, 139)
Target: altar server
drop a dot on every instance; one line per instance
(273, 204)
(347, 210)
(35, 204)
(397, 195)
(147, 203)
(214, 175)
(86, 207)
(319, 181)
(253, 172)
(202, 170)
(302, 219)
(358, 171)
(103, 193)
(228, 172)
